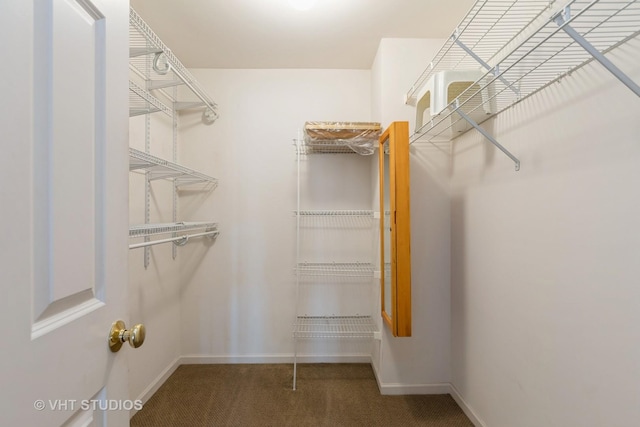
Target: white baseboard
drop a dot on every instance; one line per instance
(394, 389)
(196, 359)
(202, 359)
(442, 388)
(155, 384)
(347, 358)
(465, 408)
(401, 389)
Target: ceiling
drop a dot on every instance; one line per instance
(272, 34)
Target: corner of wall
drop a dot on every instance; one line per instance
(420, 363)
(468, 411)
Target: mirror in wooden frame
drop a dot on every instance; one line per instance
(395, 229)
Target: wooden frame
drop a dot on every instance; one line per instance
(398, 315)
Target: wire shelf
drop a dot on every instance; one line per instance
(486, 29)
(327, 220)
(168, 70)
(324, 148)
(204, 229)
(340, 138)
(162, 169)
(537, 53)
(142, 102)
(145, 230)
(363, 213)
(334, 327)
(337, 269)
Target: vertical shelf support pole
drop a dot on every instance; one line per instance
(562, 20)
(174, 248)
(471, 53)
(487, 135)
(295, 331)
(147, 175)
(147, 188)
(295, 359)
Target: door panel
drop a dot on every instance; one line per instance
(71, 101)
(68, 110)
(64, 208)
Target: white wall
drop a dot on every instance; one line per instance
(153, 293)
(545, 261)
(419, 364)
(238, 296)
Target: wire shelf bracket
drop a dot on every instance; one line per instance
(563, 19)
(161, 84)
(187, 105)
(141, 51)
(455, 37)
(486, 135)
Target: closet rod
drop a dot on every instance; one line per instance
(180, 240)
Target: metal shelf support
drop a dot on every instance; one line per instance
(486, 135)
(562, 19)
(161, 84)
(179, 106)
(133, 52)
(174, 249)
(147, 182)
(495, 70)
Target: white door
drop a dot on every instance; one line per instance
(63, 211)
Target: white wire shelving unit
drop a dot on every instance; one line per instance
(181, 232)
(167, 70)
(158, 168)
(523, 46)
(323, 234)
(159, 83)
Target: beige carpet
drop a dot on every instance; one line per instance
(261, 395)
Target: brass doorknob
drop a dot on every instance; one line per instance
(119, 335)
